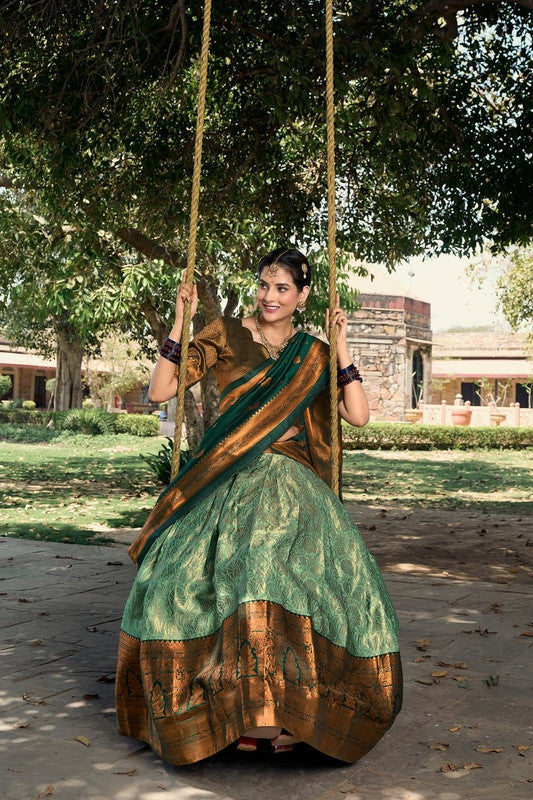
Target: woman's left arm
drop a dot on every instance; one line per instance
(354, 406)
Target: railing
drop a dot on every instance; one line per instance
(490, 415)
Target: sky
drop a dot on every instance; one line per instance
(455, 299)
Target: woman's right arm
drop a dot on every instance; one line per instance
(164, 384)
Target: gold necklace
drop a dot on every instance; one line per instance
(273, 350)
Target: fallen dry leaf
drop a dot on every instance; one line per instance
(126, 771)
(27, 699)
(22, 724)
(455, 728)
(420, 659)
(106, 679)
(161, 786)
(425, 681)
(492, 680)
(35, 643)
(457, 665)
(489, 749)
(449, 767)
(521, 747)
(439, 746)
(83, 739)
(526, 633)
(496, 607)
(473, 765)
(439, 673)
(47, 792)
(421, 644)
(90, 696)
(485, 631)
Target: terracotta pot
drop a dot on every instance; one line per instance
(461, 415)
(497, 419)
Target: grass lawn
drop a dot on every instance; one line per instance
(71, 491)
(80, 489)
(487, 480)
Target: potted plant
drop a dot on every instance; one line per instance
(493, 399)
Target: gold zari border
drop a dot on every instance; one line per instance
(265, 666)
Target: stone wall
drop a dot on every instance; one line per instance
(382, 338)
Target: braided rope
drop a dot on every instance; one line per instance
(193, 225)
(330, 125)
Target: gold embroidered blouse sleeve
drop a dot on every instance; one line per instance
(205, 350)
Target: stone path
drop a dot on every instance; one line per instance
(60, 615)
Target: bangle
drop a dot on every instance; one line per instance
(170, 350)
(348, 375)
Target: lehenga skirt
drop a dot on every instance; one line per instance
(260, 607)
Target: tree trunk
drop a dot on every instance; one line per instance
(67, 392)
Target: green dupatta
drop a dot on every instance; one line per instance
(256, 410)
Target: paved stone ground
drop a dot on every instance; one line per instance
(60, 616)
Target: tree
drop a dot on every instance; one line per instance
(433, 110)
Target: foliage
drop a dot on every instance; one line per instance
(486, 391)
(98, 109)
(394, 436)
(28, 405)
(15, 416)
(136, 424)
(93, 421)
(5, 384)
(512, 273)
(161, 462)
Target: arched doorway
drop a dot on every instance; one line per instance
(417, 378)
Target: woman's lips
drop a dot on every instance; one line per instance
(270, 309)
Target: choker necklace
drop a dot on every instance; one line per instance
(273, 350)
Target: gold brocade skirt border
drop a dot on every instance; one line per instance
(264, 666)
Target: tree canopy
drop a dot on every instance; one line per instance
(97, 117)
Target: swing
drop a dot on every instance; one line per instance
(193, 225)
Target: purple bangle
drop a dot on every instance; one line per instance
(170, 350)
(348, 375)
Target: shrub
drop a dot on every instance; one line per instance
(397, 436)
(94, 421)
(87, 403)
(20, 416)
(5, 384)
(29, 405)
(161, 463)
(136, 424)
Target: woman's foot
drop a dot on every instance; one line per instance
(284, 742)
(247, 743)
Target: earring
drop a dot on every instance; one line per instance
(301, 306)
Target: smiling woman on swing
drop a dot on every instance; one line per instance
(257, 611)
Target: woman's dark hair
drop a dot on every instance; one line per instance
(291, 260)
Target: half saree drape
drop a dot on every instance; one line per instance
(256, 602)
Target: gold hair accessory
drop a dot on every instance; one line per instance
(304, 269)
(272, 270)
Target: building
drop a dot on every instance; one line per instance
(390, 340)
(28, 372)
(482, 366)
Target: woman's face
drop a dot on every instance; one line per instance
(278, 295)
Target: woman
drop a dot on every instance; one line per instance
(257, 611)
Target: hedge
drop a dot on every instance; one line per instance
(92, 421)
(398, 436)
(136, 424)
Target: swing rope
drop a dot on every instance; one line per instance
(193, 226)
(191, 255)
(330, 126)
